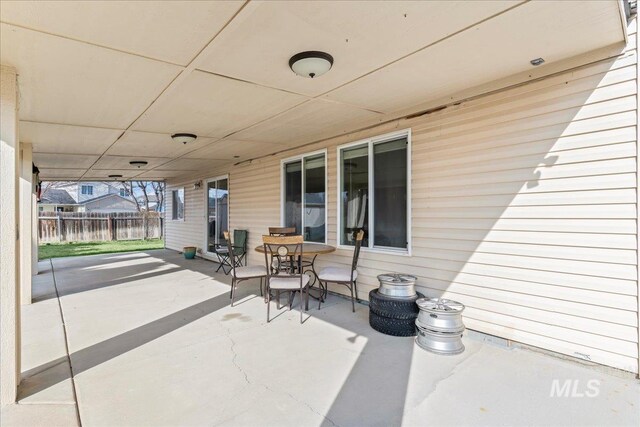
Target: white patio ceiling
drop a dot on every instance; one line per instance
(104, 83)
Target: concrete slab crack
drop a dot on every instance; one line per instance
(301, 402)
(235, 357)
(266, 387)
(456, 368)
(66, 342)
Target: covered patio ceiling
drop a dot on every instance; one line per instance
(104, 83)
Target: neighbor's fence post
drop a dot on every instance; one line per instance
(59, 227)
(109, 227)
(114, 228)
(145, 231)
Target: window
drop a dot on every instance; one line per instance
(177, 204)
(87, 190)
(124, 192)
(374, 192)
(304, 196)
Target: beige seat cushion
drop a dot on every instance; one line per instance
(249, 271)
(337, 274)
(282, 281)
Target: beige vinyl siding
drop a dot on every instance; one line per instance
(523, 208)
(190, 231)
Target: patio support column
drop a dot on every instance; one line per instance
(34, 230)
(26, 191)
(9, 255)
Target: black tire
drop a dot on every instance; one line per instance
(393, 308)
(395, 327)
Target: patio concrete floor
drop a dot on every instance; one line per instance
(153, 341)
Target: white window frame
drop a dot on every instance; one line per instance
(370, 142)
(206, 208)
(301, 158)
(184, 204)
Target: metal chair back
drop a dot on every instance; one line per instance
(232, 256)
(282, 248)
(282, 231)
(356, 251)
(286, 247)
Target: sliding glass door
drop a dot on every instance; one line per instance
(217, 211)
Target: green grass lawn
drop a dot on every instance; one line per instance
(55, 250)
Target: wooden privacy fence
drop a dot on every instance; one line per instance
(94, 227)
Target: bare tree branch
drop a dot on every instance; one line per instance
(128, 186)
(158, 188)
(142, 185)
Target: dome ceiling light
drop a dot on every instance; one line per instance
(138, 163)
(311, 63)
(184, 138)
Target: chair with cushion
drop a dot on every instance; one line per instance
(282, 231)
(344, 275)
(239, 251)
(286, 247)
(240, 273)
(280, 263)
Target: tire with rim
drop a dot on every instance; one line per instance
(393, 308)
(395, 327)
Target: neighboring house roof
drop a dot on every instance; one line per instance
(57, 197)
(106, 196)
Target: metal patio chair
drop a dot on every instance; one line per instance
(280, 263)
(240, 273)
(282, 231)
(239, 251)
(344, 275)
(287, 247)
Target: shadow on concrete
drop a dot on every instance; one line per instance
(45, 376)
(88, 261)
(374, 392)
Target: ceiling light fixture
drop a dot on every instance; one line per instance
(537, 61)
(138, 163)
(311, 63)
(184, 138)
(115, 176)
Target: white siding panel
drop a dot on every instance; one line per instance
(191, 230)
(524, 207)
(596, 232)
(627, 195)
(617, 256)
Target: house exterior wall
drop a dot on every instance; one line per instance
(191, 231)
(111, 204)
(99, 189)
(50, 207)
(524, 208)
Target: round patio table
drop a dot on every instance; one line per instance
(309, 250)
